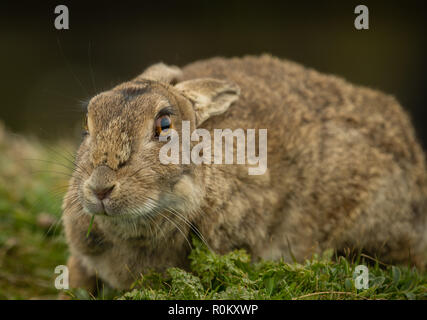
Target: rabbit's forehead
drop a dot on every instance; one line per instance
(116, 122)
(128, 106)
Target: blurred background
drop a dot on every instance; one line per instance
(48, 74)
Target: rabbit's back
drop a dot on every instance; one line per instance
(343, 160)
(277, 93)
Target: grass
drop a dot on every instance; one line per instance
(233, 276)
(31, 242)
(33, 179)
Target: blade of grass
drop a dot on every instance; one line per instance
(90, 226)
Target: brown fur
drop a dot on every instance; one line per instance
(344, 171)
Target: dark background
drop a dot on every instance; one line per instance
(47, 74)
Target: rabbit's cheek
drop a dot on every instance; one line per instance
(93, 207)
(111, 208)
(95, 203)
(187, 189)
(90, 203)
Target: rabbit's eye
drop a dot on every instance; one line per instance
(85, 127)
(163, 125)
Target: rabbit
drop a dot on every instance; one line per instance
(344, 171)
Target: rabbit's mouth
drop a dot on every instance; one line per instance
(104, 195)
(151, 219)
(116, 207)
(130, 208)
(99, 207)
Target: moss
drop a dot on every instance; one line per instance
(233, 276)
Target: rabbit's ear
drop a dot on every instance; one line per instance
(162, 73)
(210, 97)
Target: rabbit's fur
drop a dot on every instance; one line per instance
(344, 171)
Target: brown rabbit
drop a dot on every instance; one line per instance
(344, 171)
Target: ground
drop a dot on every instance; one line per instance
(33, 179)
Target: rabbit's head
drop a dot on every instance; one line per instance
(119, 173)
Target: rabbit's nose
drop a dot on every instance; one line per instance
(102, 193)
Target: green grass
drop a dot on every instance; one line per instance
(233, 276)
(31, 187)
